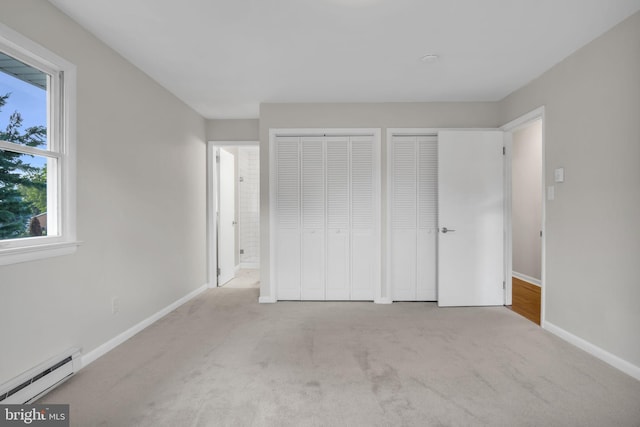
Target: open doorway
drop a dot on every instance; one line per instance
(525, 180)
(234, 214)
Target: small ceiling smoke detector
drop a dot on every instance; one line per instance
(432, 57)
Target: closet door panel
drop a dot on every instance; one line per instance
(288, 264)
(337, 265)
(402, 236)
(313, 218)
(426, 266)
(313, 265)
(365, 262)
(427, 233)
(337, 284)
(403, 262)
(362, 183)
(287, 199)
(364, 265)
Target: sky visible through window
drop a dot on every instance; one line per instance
(30, 101)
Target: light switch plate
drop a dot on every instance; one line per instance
(558, 175)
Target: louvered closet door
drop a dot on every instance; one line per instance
(365, 260)
(338, 271)
(403, 242)
(287, 198)
(413, 210)
(426, 277)
(327, 244)
(313, 219)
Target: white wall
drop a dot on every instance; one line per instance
(592, 129)
(382, 115)
(526, 200)
(232, 130)
(141, 205)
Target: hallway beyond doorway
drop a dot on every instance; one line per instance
(245, 278)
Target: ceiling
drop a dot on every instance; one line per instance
(225, 57)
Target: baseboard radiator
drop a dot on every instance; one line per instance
(34, 383)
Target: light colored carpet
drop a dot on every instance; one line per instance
(224, 360)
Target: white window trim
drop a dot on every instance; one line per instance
(33, 248)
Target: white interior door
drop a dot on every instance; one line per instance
(470, 213)
(226, 221)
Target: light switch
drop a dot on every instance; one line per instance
(559, 175)
(551, 192)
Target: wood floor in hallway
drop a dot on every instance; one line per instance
(526, 299)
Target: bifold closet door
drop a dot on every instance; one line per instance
(326, 219)
(287, 221)
(413, 223)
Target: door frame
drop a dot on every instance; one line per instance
(212, 204)
(509, 129)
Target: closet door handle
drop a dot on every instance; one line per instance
(447, 230)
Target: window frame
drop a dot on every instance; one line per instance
(61, 136)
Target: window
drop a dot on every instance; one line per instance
(37, 151)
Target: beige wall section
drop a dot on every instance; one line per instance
(526, 200)
(592, 129)
(141, 205)
(232, 130)
(375, 115)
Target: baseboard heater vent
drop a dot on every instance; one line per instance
(29, 386)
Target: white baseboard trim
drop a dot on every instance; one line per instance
(236, 268)
(526, 278)
(382, 301)
(267, 300)
(119, 339)
(613, 360)
(250, 265)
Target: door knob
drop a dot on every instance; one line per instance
(447, 230)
